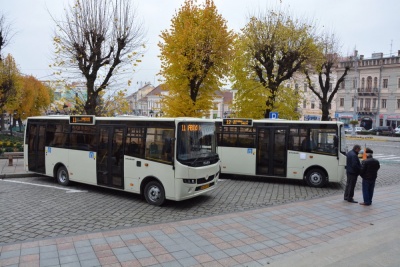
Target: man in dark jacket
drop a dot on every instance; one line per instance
(353, 167)
(369, 172)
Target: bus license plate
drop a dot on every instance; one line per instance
(204, 186)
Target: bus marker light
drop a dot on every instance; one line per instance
(130, 184)
(311, 157)
(146, 164)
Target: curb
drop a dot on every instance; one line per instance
(19, 175)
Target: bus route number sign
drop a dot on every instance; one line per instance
(237, 122)
(81, 119)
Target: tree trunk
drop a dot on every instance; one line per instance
(325, 111)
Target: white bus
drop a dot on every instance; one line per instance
(159, 158)
(311, 150)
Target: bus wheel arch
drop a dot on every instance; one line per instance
(316, 176)
(61, 174)
(153, 191)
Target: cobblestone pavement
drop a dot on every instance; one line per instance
(31, 212)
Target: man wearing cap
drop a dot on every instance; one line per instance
(353, 167)
(369, 173)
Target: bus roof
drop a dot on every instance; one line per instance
(122, 118)
(284, 121)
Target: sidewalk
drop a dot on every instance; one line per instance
(320, 232)
(16, 170)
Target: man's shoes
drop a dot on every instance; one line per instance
(364, 204)
(345, 199)
(352, 201)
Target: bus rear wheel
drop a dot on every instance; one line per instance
(62, 176)
(316, 178)
(154, 193)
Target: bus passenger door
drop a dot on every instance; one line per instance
(271, 151)
(36, 147)
(110, 156)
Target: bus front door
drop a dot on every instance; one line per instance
(110, 156)
(36, 147)
(271, 151)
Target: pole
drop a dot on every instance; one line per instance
(353, 133)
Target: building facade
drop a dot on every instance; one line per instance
(371, 90)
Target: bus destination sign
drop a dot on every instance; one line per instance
(237, 122)
(81, 119)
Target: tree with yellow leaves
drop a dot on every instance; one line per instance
(9, 84)
(194, 58)
(269, 50)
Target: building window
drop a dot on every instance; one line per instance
(342, 85)
(362, 83)
(352, 102)
(374, 103)
(341, 102)
(383, 103)
(354, 83)
(361, 103)
(385, 83)
(398, 103)
(369, 83)
(375, 82)
(320, 105)
(305, 87)
(296, 86)
(312, 105)
(368, 104)
(330, 87)
(304, 103)
(398, 83)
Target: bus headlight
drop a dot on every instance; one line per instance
(189, 181)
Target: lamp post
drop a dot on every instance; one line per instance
(355, 116)
(12, 121)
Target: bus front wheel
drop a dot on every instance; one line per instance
(62, 176)
(154, 193)
(316, 178)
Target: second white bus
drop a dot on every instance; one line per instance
(311, 150)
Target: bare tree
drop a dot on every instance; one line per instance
(5, 33)
(98, 39)
(324, 68)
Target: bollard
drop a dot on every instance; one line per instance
(10, 160)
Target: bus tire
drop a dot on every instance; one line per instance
(154, 193)
(316, 178)
(62, 176)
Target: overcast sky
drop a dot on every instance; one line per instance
(368, 25)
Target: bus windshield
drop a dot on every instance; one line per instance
(196, 144)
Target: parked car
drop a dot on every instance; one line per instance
(357, 130)
(360, 129)
(383, 130)
(348, 130)
(397, 129)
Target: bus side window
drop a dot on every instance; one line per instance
(153, 149)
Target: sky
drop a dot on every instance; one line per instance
(369, 26)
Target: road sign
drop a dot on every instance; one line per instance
(273, 115)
